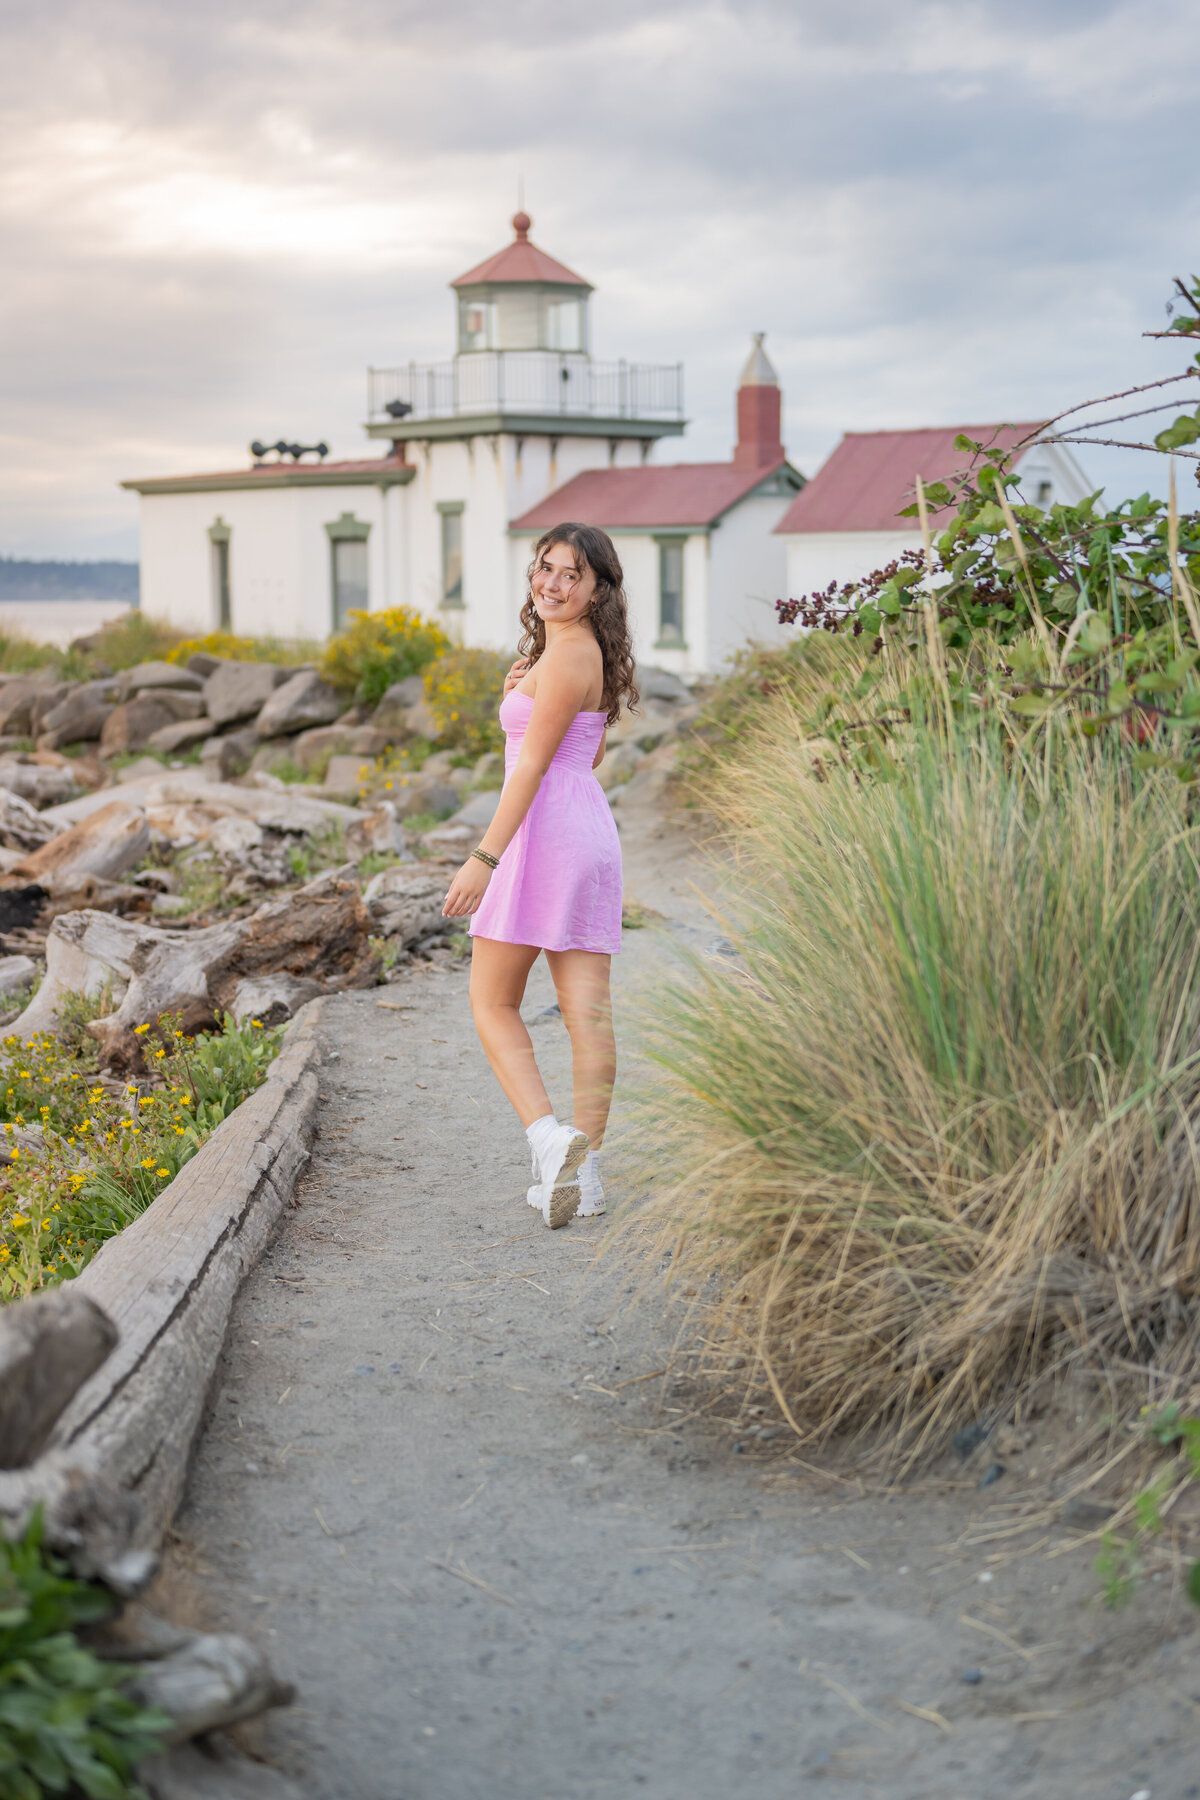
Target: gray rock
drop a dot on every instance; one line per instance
(17, 697)
(239, 690)
(1086, 1515)
(131, 725)
(415, 794)
(312, 748)
(480, 809)
(377, 831)
(182, 704)
(301, 704)
(158, 675)
(349, 774)
(392, 711)
(171, 739)
(420, 722)
(211, 1681)
(225, 757)
(43, 704)
(272, 999)
(16, 972)
(659, 684)
(202, 664)
(73, 722)
(489, 768)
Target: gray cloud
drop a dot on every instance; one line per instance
(212, 221)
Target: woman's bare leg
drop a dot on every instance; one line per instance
(498, 976)
(581, 982)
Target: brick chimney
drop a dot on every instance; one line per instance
(759, 416)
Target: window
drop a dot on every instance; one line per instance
(348, 579)
(566, 325)
(219, 535)
(670, 592)
(476, 324)
(1044, 491)
(452, 564)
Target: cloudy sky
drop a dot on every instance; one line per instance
(213, 218)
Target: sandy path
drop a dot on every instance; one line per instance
(500, 1566)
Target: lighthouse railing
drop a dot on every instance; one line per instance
(526, 382)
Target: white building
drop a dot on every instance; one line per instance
(521, 428)
(845, 524)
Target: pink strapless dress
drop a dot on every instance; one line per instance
(558, 885)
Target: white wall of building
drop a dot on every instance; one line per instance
(816, 558)
(280, 565)
(748, 575)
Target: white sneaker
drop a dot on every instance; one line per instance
(558, 1195)
(591, 1204)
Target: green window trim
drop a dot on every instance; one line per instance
(348, 529)
(450, 517)
(220, 536)
(671, 590)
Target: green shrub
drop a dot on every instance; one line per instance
(463, 689)
(131, 639)
(65, 1725)
(245, 649)
(380, 648)
(930, 1132)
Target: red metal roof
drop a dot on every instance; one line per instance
(646, 497)
(872, 475)
(521, 261)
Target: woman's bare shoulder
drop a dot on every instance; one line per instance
(572, 663)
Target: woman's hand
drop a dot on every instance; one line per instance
(516, 675)
(467, 889)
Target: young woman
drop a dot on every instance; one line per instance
(547, 874)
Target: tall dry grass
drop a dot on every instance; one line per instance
(933, 1136)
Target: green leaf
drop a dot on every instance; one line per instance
(966, 444)
(906, 578)
(1032, 706)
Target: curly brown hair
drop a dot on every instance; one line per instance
(594, 550)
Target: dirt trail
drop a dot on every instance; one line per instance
(502, 1561)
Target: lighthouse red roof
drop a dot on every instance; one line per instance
(642, 499)
(872, 475)
(521, 261)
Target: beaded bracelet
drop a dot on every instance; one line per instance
(493, 862)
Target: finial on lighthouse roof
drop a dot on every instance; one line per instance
(758, 371)
(522, 225)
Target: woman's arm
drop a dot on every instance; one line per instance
(563, 683)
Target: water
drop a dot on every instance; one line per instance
(58, 621)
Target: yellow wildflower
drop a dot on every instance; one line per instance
(146, 1100)
(139, 1029)
(19, 1219)
(162, 1172)
(147, 1162)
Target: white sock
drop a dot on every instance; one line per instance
(589, 1173)
(541, 1135)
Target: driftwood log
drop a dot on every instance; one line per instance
(168, 1283)
(317, 935)
(49, 1345)
(213, 1771)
